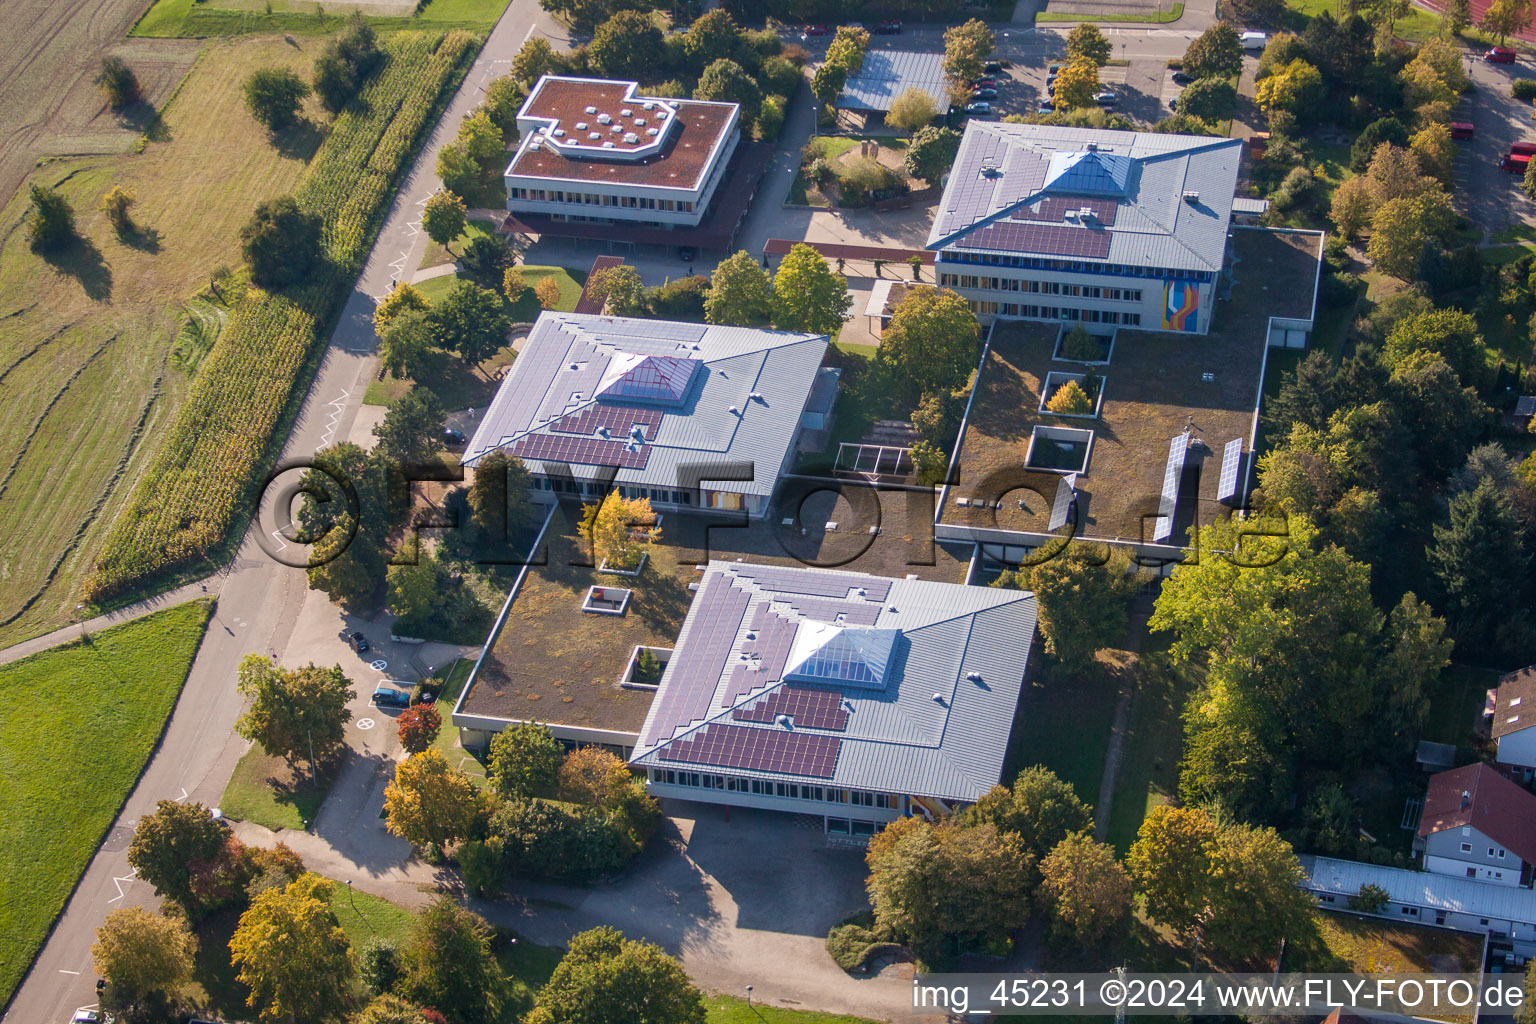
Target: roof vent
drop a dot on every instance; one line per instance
(631, 138)
(1466, 798)
(784, 720)
(1191, 196)
(603, 431)
(591, 110)
(558, 133)
(594, 136)
(581, 126)
(735, 411)
(640, 122)
(1071, 215)
(648, 105)
(974, 677)
(991, 171)
(607, 145)
(1086, 213)
(637, 432)
(663, 114)
(616, 129)
(938, 698)
(756, 396)
(604, 119)
(653, 131)
(534, 147)
(1208, 377)
(626, 112)
(1093, 147)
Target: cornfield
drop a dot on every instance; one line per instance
(191, 495)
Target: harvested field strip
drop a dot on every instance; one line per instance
(191, 495)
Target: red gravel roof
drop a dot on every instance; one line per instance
(698, 129)
(1495, 806)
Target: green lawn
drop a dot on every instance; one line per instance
(1154, 743)
(1157, 18)
(90, 713)
(237, 17)
(364, 916)
(266, 791)
(447, 742)
(1417, 26)
(1064, 724)
(730, 1010)
(438, 254)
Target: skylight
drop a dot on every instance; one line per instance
(1089, 173)
(632, 377)
(824, 652)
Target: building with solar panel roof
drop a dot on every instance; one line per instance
(1080, 225)
(687, 415)
(855, 698)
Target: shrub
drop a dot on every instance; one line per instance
(1080, 344)
(487, 258)
(379, 965)
(647, 668)
(682, 299)
(1371, 899)
(852, 943)
(273, 96)
(861, 176)
(347, 62)
(51, 221)
(115, 204)
(780, 76)
(1070, 399)
(542, 839)
(480, 862)
(1523, 89)
(419, 724)
(770, 119)
(281, 242)
(930, 462)
(547, 291)
(119, 86)
(1295, 189)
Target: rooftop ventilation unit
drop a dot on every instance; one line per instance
(616, 129)
(607, 145)
(663, 114)
(631, 138)
(1071, 215)
(991, 171)
(757, 396)
(1093, 147)
(604, 119)
(591, 110)
(581, 126)
(974, 677)
(626, 112)
(648, 105)
(785, 721)
(653, 131)
(594, 135)
(558, 133)
(1191, 196)
(938, 698)
(735, 411)
(1208, 377)
(1085, 213)
(639, 122)
(534, 147)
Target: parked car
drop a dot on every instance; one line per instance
(687, 253)
(1107, 98)
(1524, 148)
(1046, 107)
(888, 27)
(1462, 130)
(1515, 163)
(984, 83)
(1173, 103)
(85, 1017)
(1253, 40)
(1182, 78)
(359, 642)
(1052, 70)
(817, 30)
(1500, 55)
(453, 438)
(983, 94)
(854, 24)
(385, 696)
(993, 67)
(978, 108)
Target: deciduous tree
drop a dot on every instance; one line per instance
(1170, 863)
(547, 291)
(620, 529)
(1256, 891)
(444, 217)
(847, 48)
(294, 713)
(1449, 333)
(471, 321)
(1215, 53)
(143, 956)
(1087, 892)
(1076, 85)
(828, 81)
(281, 243)
(1039, 808)
(1505, 18)
(116, 204)
(450, 965)
(712, 36)
(967, 47)
(118, 85)
(1086, 41)
(740, 292)
(1400, 227)
(274, 96)
(807, 296)
(1082, 598)
(50, 220)
(1483, 571)
(430, 803)
(620, 289)
(1294, 89)
(911, 109)
(402, 298)
(626, 45)
(608, 979)
(405, 346)
(525, 761)
(1210, 99)
(932, 341)
(412, 429)
(724, 81)
(498, 497)
(593, 776)
(535, 60)
(931, 153)
(1354, 202)
(293, 955)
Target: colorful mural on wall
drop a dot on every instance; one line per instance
(1181, 306)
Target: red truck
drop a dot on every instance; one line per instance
(1515, 163)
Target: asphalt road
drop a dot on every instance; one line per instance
(259, 598)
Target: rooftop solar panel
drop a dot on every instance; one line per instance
(859, 613)
(586, 451)
(761, 750)
(815, 584)
(719, 609)
(617, 418)
(810, 709)
(1053, 209)
(1231, 456)
(1066, 488)
(1047, 239)
(1178, 450)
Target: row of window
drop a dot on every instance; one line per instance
(542, 195)
(1004, 284)
(1406, 911)
(763, 787)
(592, 489)
(1467, 848)
(1075, 266)
(1092, 316)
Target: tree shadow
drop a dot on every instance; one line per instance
(141, 238)
(82, 260)
(299, 141)
(142, 117)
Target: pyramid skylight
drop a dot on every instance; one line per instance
(1089, 173)
(631, 377)
(824, 652)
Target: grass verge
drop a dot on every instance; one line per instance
(1064, 724)
(1154, 743)
(269, 792)
(193, 18)
(730, 1010)
(1156, 18)
(438, 254)
(94, 711)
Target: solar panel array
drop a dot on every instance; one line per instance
(1047, 239)
(651, 330)
(718, 608)
(617, 418)
(1051, 209)
(858, 613)
(969, 196)
(1178, 449)
(815, 584)
(1066, 487)
(811, 709)
(761, 750)
(586, 451)
(1231, 456)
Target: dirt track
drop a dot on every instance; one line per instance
(49, 53)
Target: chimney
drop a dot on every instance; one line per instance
(1466, 799)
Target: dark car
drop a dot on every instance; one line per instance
(979, 109)
(983, 94)
(1182, 78)
(1106, 98)
(1500, 55)
(1173, 104)
(816, 30)
(1046, 107)
(1052, 70)
(993, 67)
(454, 438)
(686, 253)
(888, 27)
(388, 697)
(359, 642)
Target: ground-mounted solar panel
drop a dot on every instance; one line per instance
(810, 709)
(1066, 487)
(1178, 450)
(778, 751)
(1231, 457)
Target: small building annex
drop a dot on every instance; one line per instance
(687, 415)
(886, 74)
(1086, 225)
(599, 150)
(858, 699)
(1477, 824)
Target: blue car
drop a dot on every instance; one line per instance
(389, 697)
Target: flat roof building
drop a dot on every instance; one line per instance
(886, 74)
(679, 412)
(1082, 225)
(600, 150)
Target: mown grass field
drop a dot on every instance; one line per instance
(310, 17)
(86, 339)
(194, 493)
(84, 719)
(265, 790)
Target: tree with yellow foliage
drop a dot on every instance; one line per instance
(430, 803)
(620, 530)
(293, 955)
(404, 297)
(1077, 84)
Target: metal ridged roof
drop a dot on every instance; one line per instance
(1422, 889)
(1003, 168)
(898, 739)
(559, 377)
(887, 74)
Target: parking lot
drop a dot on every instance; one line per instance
(1491, 198)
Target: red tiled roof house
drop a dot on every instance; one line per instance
(598, 150)
(1478, 824)
(1514, 721)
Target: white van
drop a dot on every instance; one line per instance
(1253, 40)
